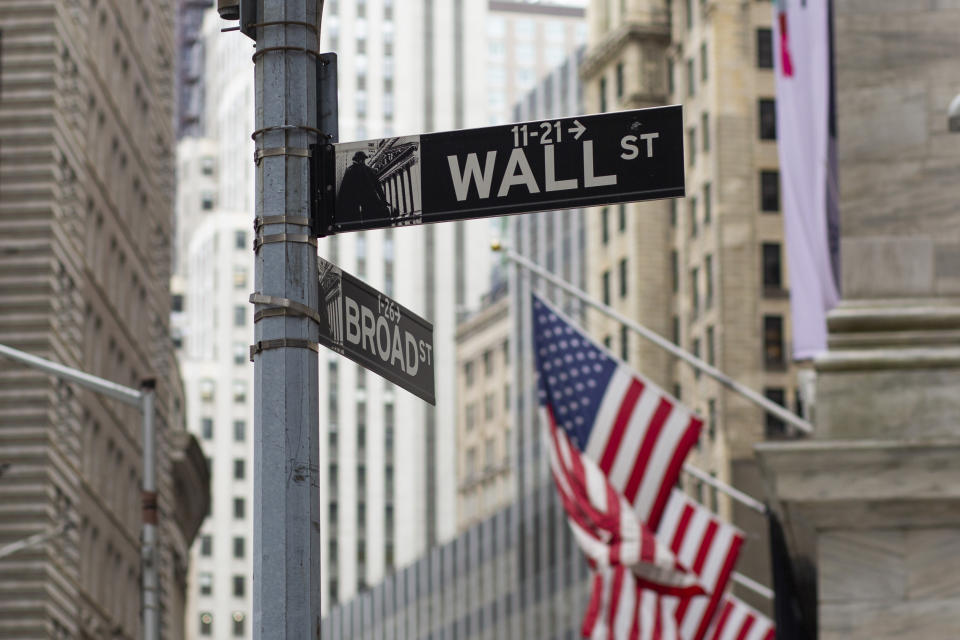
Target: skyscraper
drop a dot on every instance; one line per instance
(85, 258)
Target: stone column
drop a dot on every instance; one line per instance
(873, 499)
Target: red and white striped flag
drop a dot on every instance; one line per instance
(706, 546)
(636, 433)
(738, 621)
(620, 609)
(604, 525)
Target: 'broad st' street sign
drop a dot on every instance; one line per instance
(374, 331)
(492, 171)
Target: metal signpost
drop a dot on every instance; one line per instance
(565, 163)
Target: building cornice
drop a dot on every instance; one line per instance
(601, 54)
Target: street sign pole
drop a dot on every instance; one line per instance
(286, 518)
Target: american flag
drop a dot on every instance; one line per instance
(637, 434)
(606, 528)
(705, 545)
(621, 609)
(737, 621)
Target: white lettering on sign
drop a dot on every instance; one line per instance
(472, 173)
(630, 148)
(375, 335)
(518, 160)
(550, 167)
(590, 180)
(518, 172)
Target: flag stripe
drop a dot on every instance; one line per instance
(620, 425)
(654, 427)
(690, 436)
(745, 628)
(635, 437)
(681, 530)
(722, 621)
(724, 577)
(607, 413)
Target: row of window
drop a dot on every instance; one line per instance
(489, 407)
(487, 361)
(238, 391)
(205, 584)
(239, 546)
(239, 429)
(237, 619)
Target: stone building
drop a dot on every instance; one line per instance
(86, 139)
(707, 270)
(484, 434)
(873, 499)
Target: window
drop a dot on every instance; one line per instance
(772, 270)
(206, 166)
(606, 287)
(688, 14)
(767, 117)
(622, 217)
(670, 84)
(468, 373)
(765, 48)
(624, 343)
(206, 624)
(206, 428)
(239, 239)
(705, 131)
(332, 513)
(206, 201)
(619, 80)
(239, 430)
(770, 190)
(623, 278)
(773, 341)
(708, 275)
(603, 94)
(691, 79)
(605, 225)
(239, 315)
(332, 591)
(239, 547)
(711, 346)
(239, 508)
(239, 586)
(471, 462)
(239, 469)
(707, 203)
(673, 213)
(239, 277)
(206, 390)
(675, 325)
(488, 404)
(692, 145)
(206, 545)
(238, 618)
(703, 61)
(176, 302)
(695, 292)
(696, 352)
(240, 391)
(332, 477)
(488, 363)
(712, 418)
(775, 427)
(240, 354)
(608, 342)
(506, 398)
(205, 580)
(674, 270)
(693, 217)
(506, 353)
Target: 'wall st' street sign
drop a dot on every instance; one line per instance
(532, 166)
(374, 331)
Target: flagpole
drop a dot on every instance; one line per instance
(733, 492)
(753, 585)
(748, 393)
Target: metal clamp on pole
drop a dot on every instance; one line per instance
(258, 223)
(271, 152)
(282, 307)
(302, 238)
(280, 343)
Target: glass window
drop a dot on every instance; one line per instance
(239, 547)
(206, 201)
(772, 269)
(468, 373)
(488, 363)
(770, 191)
(765, 48)
(619, 79)
(206, 624)
(524, 29)
(707, 203)
(240, 240)
(624, 343)
(691, 79)
(239, 430)
(705, 131)
(206, 428)
(239, 469)
(622, 209)
(606, 287)
(239, 315)
(767, 115)
(693, 217)
(239, 586)
(496, 27)
(623, 278)
(240, 391)
(488, 404)
(695, 292)
(708, 276)
(205, 582)
(239, 277)
(240, 353)
(206, 389)
(238, 619)
(711, 346)
(605, 225)
(775, 427)
(206, 545)
(773, 352)
(703, 61)
(239, 508)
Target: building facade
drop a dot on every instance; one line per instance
(484, 434)
(86, 212)
(706, 270)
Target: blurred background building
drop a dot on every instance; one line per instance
(85, 259)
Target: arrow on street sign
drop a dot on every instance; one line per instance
(371, 329)
(474, 173)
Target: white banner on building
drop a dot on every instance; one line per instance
(801, 38)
